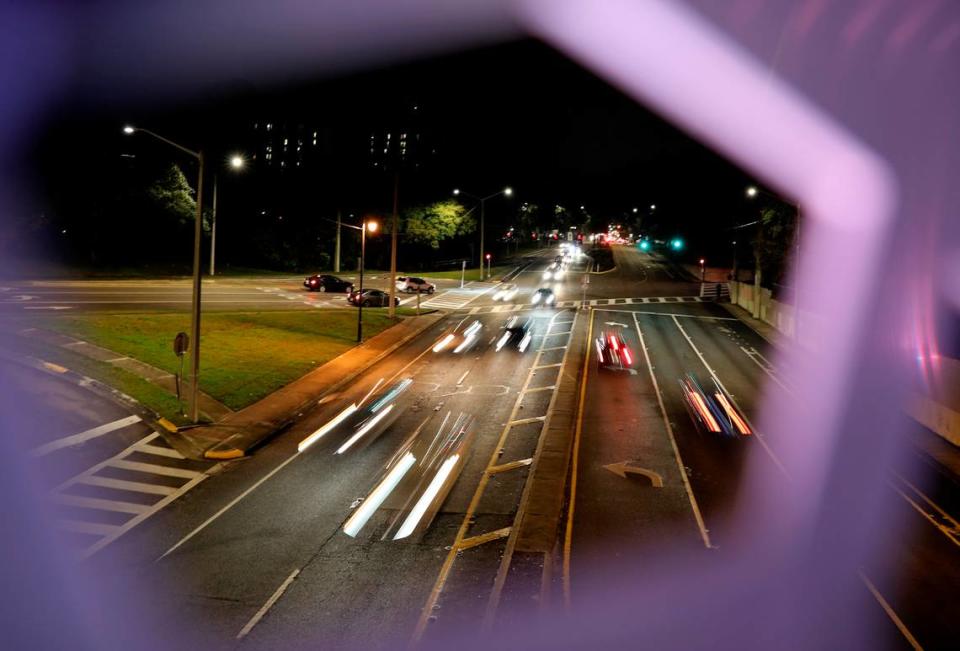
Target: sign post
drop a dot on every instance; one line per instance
(181, 343)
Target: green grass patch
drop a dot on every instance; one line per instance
(244, 355)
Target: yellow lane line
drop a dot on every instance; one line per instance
(568, 535)
(912, 641)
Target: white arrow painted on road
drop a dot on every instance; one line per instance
(623, 468)
(47, 307)
(614, 323)
(23, 297)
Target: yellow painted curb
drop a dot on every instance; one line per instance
(232, 453)
(55, 367)
(167, 425)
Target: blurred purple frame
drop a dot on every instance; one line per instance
(839, 128)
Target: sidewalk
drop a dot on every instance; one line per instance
(239, 432)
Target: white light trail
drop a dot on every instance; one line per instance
(316, 436)
(416, 514)
(363, 430)
(379, 494)
(443, 343)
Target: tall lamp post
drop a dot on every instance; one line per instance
(752, 192)
(507, 192)
(194, 398)
(236, 163)
(371, 226)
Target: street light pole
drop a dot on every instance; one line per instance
(507, 191)
(363, 254)
(236, 162)
(194, 398)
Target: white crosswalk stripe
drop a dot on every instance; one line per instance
(597, 302)
(100, 506)
(455, 299)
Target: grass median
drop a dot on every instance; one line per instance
(244, 355)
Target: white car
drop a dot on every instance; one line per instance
(412, 284)
(505, 292)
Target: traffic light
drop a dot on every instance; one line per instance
(644, 245)
(676, 244)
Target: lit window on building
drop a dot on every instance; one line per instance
(269, 126)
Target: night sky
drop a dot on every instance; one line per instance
(517, 114)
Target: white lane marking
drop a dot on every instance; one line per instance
(76, 439)
(760, 437)
(270, 474)
(170, 453)
(908, 636)
(766, 367)
(951, 532)
(125, 485)
(269, 604)
(101, 504)
(92, 528)
(154, 469)
(49, 307)
(704, 533)
(463, 377)
(677, 314)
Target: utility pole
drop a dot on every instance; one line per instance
(392, 309)
(195, 311)
(336, 246)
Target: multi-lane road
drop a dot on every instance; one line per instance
(291, 547)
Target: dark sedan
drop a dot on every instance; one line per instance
(326, 283)
(372, 298)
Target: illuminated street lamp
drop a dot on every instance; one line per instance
(703, 270)
(237, 163)
(488, 265)
(194, 398)
(372, 227)
(752, 191)
(507, 192)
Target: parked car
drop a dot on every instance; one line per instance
(372, 298)
(411, 285)
(327, 283)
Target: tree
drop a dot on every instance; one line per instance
(772, 244)
(433, 223)
(173, 196)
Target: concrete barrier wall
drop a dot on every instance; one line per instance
(938, 411)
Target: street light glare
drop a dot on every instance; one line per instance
(456, 191)
(751, 191)
(236, 161)
(508, 191)
(372, 226)
(128, 129)
(653, 206)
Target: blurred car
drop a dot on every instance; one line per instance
(327, 283)
(360, 423)
(554, 271)
(516, 334)
(612, 352)
(371, 298)
(460, 338)
(412, 284)
(544, 296)
(712, 410)
(505, 292)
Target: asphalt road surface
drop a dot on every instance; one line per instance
(258, 556)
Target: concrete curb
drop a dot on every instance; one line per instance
(151, 418)
(240, 444)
